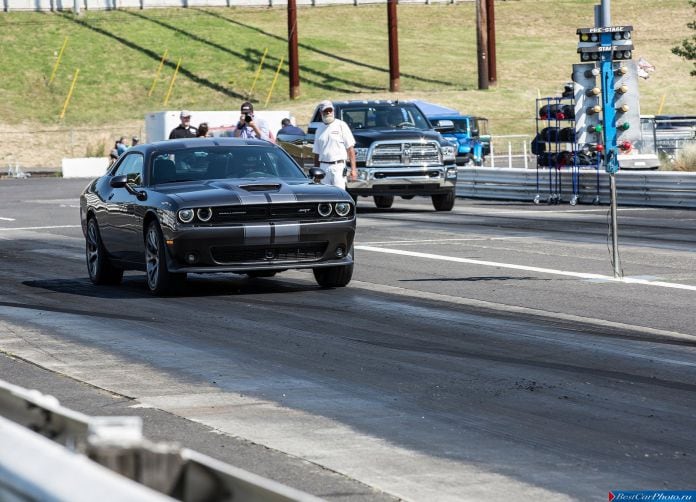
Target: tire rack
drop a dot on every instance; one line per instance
(556, 134)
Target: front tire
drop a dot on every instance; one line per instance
(333, 277)
(443, 202)
(384, 201)
(160, 280)
(100, 269)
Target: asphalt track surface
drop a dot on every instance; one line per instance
(482, 354)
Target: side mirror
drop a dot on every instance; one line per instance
(474, 132)
(444, 125)
(316, 174)
(122, 182)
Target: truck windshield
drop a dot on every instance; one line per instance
(384, 117)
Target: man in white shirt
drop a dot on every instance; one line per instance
(333, 144)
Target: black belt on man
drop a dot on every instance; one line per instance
(331, 162)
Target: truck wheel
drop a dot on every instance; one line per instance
(384, 201)
(443, 202)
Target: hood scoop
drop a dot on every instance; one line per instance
(261, 187)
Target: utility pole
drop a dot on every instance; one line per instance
(293, 60)
(481, 44)
(490, 18)
(394, 74)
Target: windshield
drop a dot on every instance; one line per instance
(223, 162)
(386, 116)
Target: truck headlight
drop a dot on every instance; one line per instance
(448, 153)
(360, 154)
(451, 172)
(362, 174)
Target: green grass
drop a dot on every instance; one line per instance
(343, 55)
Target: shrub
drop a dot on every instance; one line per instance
(686, 158)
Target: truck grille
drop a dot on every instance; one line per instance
(405, 153)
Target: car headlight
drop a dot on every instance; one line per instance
(186, 215)
(342, 208)
(451, 172)
(324, 209)
(204, 214)
(447, 152)
(360, 154)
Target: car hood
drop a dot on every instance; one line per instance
(249, 191)
(366, 137)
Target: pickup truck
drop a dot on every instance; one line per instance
(398, 152)
(469, 135)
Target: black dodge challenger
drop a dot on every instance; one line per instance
(204, 205)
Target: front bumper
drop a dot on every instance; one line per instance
(260, 246)
(404, 180)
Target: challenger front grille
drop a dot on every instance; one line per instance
(300, 211)
(310, 251)
(385, 154)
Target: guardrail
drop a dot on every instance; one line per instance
(73, 457)
(661, 189)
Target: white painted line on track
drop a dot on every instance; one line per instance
(579, 275)
(435, 241)
(39, 228)
(7, 219)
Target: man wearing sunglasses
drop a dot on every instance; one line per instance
(333, 145)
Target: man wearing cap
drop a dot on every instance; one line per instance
(250, 127)
(185, 129)
(135, 141)
(333, 144)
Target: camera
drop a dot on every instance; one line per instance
(247, 118)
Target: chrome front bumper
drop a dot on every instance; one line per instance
(407, 180)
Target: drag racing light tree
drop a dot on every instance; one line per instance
(588, 110)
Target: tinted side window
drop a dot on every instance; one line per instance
(132, 168)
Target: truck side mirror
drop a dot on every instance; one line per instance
(443, 125)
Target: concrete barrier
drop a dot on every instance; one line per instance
(86, 167)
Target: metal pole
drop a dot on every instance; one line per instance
(606, 12)
(293, 60)
(394, 73)
(614, 227)
(490, 17)
(481, 44)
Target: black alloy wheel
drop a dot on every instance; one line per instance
(443, 202)
(100, 269)
(160, 280)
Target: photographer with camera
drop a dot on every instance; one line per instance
(251, 127)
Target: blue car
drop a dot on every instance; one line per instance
(470, 135)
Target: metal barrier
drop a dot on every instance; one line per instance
(661, 189)
(83, 458)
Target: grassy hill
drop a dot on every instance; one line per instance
(343, 55)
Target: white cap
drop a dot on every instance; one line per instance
(184, 113)
(325, 104)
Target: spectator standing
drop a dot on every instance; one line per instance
(251, 127)
(289, 128)
(184, 129)
(333, 145)
(121, 146)
(202, 130)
